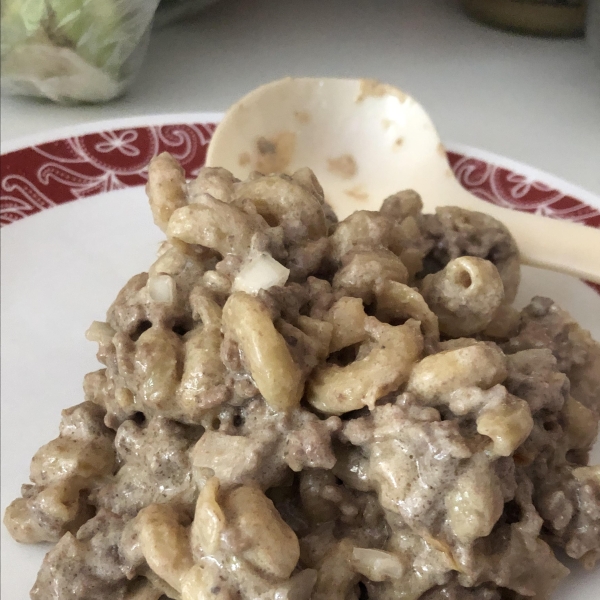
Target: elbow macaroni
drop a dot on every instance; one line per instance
(508, 425)
(389, 357)
(347, 318)
(186, 556)
(364, 272)
(436, 377)
(465, 295)
(396, 301)
(207, 223)
(164, 543)
(283, 201)
(269, 361)
(165, 188)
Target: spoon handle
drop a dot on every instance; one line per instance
(544, 242)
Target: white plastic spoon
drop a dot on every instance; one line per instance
(366, 140)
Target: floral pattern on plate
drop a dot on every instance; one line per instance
(38, 177)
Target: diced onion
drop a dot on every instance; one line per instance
(100, 332)
(377, 565)
(299, 587)
(260, 273)
(162, 288)
(592, 472)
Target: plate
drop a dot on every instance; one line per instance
(76, 226)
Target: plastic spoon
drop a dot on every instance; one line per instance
(366, 140)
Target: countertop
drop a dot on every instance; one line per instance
(534, 100)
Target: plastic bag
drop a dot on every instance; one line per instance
(80, 50)
(173, 10)
(73, 50)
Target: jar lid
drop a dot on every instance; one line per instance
(538, 17)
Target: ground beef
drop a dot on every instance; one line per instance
(454, 591)
(156, 451)
(458, 232)
(86, 566)
(546, 325)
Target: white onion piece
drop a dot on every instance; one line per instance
(299, 587)
(377, 565)
(162, 289)
(260, 273)
(100, 332)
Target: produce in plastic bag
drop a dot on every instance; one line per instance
(73, 50)
(174, 10)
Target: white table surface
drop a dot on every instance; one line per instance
(534, 100)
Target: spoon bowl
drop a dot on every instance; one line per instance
(366, 140)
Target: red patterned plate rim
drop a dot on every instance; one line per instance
(56, 167)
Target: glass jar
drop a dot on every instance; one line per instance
(538, 17)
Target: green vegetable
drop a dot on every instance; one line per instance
(71, 49)
(91, 27)
(20, 21)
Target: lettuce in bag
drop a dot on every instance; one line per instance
(73, 50)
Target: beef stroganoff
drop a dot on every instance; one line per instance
(293, 408)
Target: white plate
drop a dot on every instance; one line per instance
(61, 269)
